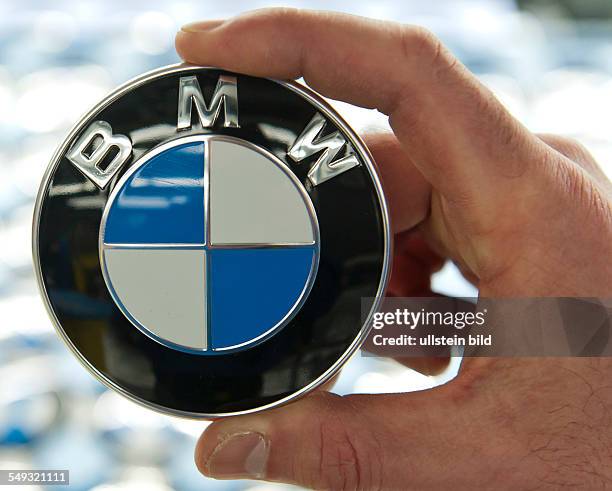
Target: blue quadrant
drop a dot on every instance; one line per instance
(251, 290)
(163, 201)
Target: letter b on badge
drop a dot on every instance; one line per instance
(89, 164)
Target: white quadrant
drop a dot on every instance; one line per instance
(254, 201)
(163, 290)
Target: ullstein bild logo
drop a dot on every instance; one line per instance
(212, 230)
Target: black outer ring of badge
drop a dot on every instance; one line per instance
(354, 257)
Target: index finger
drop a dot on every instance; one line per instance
(460, 138)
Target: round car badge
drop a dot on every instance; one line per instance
(203, 241)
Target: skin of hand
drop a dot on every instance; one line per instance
(522, 215)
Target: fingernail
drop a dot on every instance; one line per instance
(202, 26)
(242, 455)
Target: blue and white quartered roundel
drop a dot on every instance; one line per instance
(209, 245)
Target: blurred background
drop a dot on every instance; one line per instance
(550, 62)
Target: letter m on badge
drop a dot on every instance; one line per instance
(225, 94)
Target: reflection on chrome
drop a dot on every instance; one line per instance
(159, 202)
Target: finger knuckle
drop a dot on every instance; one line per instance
(581, 189)
(574, 149)
(421, 44)
(348, 460)
(276, 13)
(417, 41)
(571, 143)
(286, 14)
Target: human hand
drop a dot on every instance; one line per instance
(521, 214)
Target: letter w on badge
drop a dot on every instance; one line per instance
(310, 143)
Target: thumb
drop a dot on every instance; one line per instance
(326, 441)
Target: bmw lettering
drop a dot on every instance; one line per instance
(203, 241)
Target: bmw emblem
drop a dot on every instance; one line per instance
(203, 241)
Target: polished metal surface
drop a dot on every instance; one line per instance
(225, 94)
(90, 164)
(310, 142)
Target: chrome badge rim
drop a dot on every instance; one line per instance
(141, 155)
